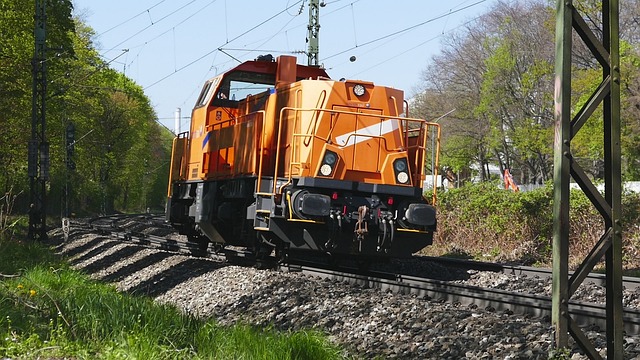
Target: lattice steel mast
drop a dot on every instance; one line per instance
(38, 166)
(606, 52)
(314, 32)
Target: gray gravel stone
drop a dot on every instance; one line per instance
(366, 322)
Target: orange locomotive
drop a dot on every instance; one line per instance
(279, 156)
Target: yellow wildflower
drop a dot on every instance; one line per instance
(20, 286)
(32, 292)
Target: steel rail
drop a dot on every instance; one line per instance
(111, 228)
(630, 283)
(498, 300)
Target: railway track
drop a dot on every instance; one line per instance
(499, 300)
(158, 237)
(583, 313)
(111, 225)
(629, 283)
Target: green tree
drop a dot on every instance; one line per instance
(516, 92)
(498, 73)
(501, 90)
(16, 53)
(121, 153)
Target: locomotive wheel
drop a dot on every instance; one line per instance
(262, 250)
(202, 243)
(282, 256)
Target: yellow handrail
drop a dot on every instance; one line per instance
(434, 197)
(281, 118)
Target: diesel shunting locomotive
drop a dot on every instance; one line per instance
(281, 157)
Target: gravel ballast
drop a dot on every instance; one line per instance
(365, 322)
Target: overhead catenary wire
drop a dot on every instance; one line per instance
(405, 29)
(220, 47)
(154, 23)
(175, 59)
(270, 38)
(93, 71)
(444, 26)
(452, 11)
(177, 67)
(353, 19)
(324, 14)
(395, 55)
(226, 21)
(196, 87)
(285, 32)
(173, 28)
(129, 19)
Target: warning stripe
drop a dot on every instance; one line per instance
(352, 138)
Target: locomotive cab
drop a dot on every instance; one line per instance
(280, 155)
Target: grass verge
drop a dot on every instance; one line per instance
(51, 311)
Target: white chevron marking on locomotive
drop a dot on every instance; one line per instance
(352, 138)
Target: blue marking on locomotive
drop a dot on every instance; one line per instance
(206, 139)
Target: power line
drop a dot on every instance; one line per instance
(287, 8)
(173, 27)
(324, 15)
(153, 23)
(253, 50)
(264, 50)
(395, 55)
(131, 18)
(406, 29)
(173, 118)
(220, 47)
(280, 30)
(199, 11)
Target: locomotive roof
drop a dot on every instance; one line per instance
(270, 67)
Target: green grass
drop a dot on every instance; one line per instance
(52, 311)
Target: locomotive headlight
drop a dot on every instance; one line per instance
(330, 158)
(400, 165)
(358, 90)
(325, 170)
(329, 161)
(400, 168)
(402, 177)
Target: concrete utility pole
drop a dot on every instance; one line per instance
(38, 165)
(606, 52)
(177, 115)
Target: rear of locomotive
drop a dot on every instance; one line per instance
(309, 164)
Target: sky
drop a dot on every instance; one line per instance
(171, 47)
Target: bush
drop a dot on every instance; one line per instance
(489, 223)
(8, 222)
